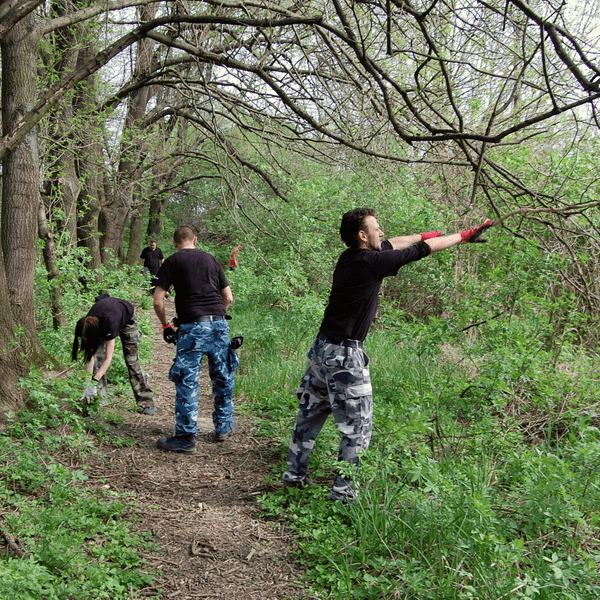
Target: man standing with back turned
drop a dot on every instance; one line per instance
(202, 297)
(337, 379)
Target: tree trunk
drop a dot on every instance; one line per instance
(155, 221)
(14, 362)
(89, 163)
(88, 215)
(21, 181)
(64, 144)
(51, 262)
(111, 225)
(135, 239)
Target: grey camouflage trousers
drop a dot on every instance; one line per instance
(337, 381)
(130, 340)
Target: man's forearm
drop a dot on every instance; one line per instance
(159, 305)
(443, 242)
(404, 241)
(227, 297)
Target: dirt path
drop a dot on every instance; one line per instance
(202, 508)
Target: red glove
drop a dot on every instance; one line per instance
(472, 235)
(430, 234)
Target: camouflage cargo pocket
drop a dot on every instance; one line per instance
(176, 373)
(185, 341)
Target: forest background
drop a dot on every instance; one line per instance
(259, 124)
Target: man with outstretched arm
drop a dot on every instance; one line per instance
(202, 297)
(337, 379)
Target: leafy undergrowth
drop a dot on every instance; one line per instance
(479, 485)
(65, 539)
(522, 525)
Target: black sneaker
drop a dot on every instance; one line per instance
(303, 483)
(343, 498)
(221, 437)
(184, 444)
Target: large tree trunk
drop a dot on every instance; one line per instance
(155, 221)
(111, 225)
(21, 180)
(14, 362)
(20, 198)
(135, 239)
(89, 163)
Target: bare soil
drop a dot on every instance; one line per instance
(202, 509)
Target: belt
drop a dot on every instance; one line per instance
(210, 318)
(345, 343)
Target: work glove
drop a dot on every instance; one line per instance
(236, 342)
(169, 334)
(89, 399)
(473, 236)
(429, 234)
(90, 391)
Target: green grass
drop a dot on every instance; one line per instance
(460, 495)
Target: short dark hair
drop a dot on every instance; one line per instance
(352, 223)
(183, 233)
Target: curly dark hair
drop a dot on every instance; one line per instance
(352, 223)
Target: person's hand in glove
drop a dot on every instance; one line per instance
(90, 395)
(473, 236)
(91, 390)
(169, 334)
(429, 234)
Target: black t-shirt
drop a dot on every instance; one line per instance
(152, 259)
(113, 315)
(356, 282)
(198, 279)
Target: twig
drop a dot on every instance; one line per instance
(483, 322)
(12, 544)
(558, 211)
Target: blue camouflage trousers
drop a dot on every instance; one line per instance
(130, 340)
(194, 340)
(337, 381)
